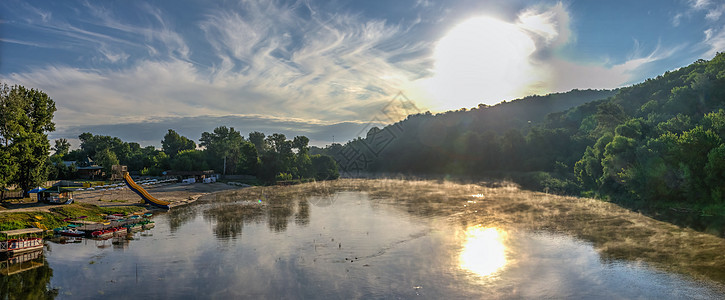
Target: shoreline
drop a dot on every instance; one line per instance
(177, 194)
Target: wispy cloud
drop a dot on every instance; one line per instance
(712, 12)
(295, 60)
(270, 60)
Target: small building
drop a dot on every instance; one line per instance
(117, 172)
(56, 195)
(87, 169)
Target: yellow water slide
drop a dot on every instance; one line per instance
(143, 193)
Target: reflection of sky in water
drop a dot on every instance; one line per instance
(352, 248)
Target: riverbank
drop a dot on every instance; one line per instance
(94, 204)
(617, 233)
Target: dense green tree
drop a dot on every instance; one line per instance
(715, 174)
(257, 138)
(278, 158)
(59, 170)
(301, 144)
(249, 163)
(106, 158)
(223, 147)
(8, 167)
(61, 148)
(324, 167)
(25, 117)
(189, 160)
(174, 143)
(92, 144)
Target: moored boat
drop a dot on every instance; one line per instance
(136, 227)
(120, 231)
(21, 240)
(148, 225)
(102, 234)
(69, 231)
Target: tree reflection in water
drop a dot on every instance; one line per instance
(302, 217)
(29, 280)
(231, 215)
(181, 216)
(230, 218)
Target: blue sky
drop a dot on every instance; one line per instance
(134, 69)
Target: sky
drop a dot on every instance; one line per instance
(330, 70)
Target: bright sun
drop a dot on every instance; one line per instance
(482, 60)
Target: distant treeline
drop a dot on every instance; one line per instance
(26, 117)
(224, 150)
(657, 142)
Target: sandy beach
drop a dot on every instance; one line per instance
(175, 193)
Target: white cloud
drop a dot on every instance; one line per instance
(267, 60)
(714, 41)
(714, 14)
(700, 4)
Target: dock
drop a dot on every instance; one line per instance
(89, 226)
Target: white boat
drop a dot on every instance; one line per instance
(20, 240)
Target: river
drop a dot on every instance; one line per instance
(342, 245)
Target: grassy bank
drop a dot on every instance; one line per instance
(54, 218)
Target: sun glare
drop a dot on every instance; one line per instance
(482, 60)
(484, 252)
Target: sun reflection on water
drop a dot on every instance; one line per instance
(484, 252)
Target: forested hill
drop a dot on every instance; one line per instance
(518, 113)
(660, 140)
(454, 142)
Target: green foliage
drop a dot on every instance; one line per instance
(257, 139)
(106, 158)
(61, 148)
(189, 160)
(91, 145)
(58, 170)
(659, 141)
(25, 117)
(223, 147)
(324, 167)
(174, 143)
(283, 177)
(8, 167)
(715, 174)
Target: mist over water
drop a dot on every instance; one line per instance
(348, 245)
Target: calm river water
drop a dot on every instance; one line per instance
(341, 247)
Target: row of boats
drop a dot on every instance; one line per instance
(30, 239)
(114, 226)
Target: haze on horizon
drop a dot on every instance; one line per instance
(330, 68)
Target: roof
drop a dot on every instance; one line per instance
(21, 231)
(55, 189)
(89, 168)
(189, 173)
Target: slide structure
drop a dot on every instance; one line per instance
(143, 193)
